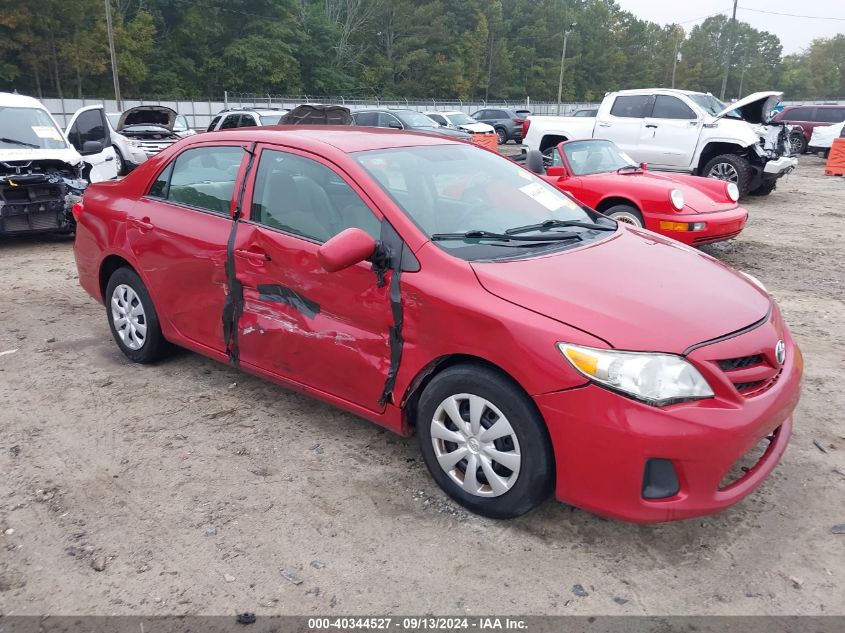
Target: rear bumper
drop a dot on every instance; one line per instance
(602, 442)
(721, 225)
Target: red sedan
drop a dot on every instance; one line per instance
(690, 209)
(340, 262)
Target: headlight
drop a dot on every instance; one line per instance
(657, 379)
(133, 143)
(733, 191)
(676, 196)
(754, 281)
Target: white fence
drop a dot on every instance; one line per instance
(200, 113)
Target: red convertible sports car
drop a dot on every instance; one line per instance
(339, 262)
(690, 209)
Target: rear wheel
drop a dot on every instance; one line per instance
(502, 135)
(484, 442)
(626, 214)
(730, 168)
(132, 318)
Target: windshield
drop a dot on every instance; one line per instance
(180, 124)
(712, 105)
(595, 157)
(270, 119)
(461, 119)
(415, 119)
(453, 189)
(114, 119)
(29, 128)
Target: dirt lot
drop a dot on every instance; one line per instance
(188, 487)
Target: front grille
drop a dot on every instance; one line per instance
(748, 386)
(742, 361)
(30, 222)
(151, 148)
(748, 461)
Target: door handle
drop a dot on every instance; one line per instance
(604, 124)
(651, 125)
(144, 224)
(254, 257)
(108, 158)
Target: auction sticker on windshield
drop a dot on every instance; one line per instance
(44, 131)
(545, 197)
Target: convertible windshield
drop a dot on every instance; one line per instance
(463, 194)
(30, 128)
(712, 105)
(595, 157)
(415, 119)
(461, 119)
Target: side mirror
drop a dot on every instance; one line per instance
(346, 249)
(394, 125)
(91, 147)
(556, 171)
(643, 166)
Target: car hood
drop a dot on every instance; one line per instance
(68, 155)
(636, 290)
(823, 135)
(755, 107)
(652, 188)
(148, 115)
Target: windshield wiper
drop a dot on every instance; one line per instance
(552, 224)
(505, 237)
(627, 167)
(15, 141)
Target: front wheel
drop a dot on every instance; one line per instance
(798, 144)
(626, 214)
(730, 168)
(119, 163)
(132, 318)
(484, 442)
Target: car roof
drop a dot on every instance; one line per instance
(814, 105)
(648, 91)
(11, 100)
(444, 112)
(346, 138)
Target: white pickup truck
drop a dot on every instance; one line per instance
(683, 131)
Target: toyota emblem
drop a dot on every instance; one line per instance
(780, 352)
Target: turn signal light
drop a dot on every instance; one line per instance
(682, 226)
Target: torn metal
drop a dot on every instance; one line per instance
(288, 296)
(37, 196)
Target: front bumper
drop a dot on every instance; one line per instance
(721, 225)
(602, 440)
(779, 167)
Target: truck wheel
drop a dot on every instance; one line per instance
(626, 214)
(798, 144)
(502, 135)
(730, 168)
(765, 189)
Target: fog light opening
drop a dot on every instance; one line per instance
(660, 481)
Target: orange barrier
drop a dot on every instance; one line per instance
(836, 160)
(489, 141)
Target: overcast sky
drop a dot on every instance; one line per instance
(795, 33)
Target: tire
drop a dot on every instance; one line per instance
(765, 189)
(502, 135)
(140, 339)
(119, 163)
(626, 214)
(526, 480)
(731, 168)
(798, 144)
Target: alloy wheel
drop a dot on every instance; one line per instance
(626, 218)
(118, 162)
(503, 138)
(128, 317)
(475, 445)
(724, 171)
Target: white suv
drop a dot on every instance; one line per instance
(238, 117)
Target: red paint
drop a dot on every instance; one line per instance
(632, 290)
(345, 249)
(705, 199)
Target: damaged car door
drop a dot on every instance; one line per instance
(178, 233)
(325, 330)
(88, 132)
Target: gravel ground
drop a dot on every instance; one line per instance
(188, 487)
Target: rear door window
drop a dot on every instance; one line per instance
(631, 107)
(202, 177)
(830, 115)
(213, 125)
(367, 119)
(799, 114)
